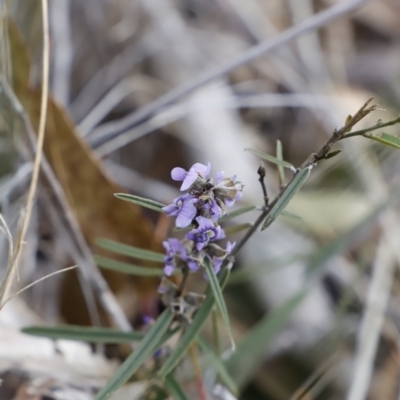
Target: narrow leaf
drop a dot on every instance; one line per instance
(250, 352)
(387, 139)
(144, 349)
(236, 213)
(290, 215)
(141, 201)
(270, 158)
(192, 331)
(126, 268)
(130, 251)
(279, 156)
(230, 230)
(83, 333)
(174, 388)
(290, 191)
(218, 365)
(219, 298)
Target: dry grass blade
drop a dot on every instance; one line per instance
(11, 270)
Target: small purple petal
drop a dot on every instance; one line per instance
(201, 168)
(186, 214)
(228, 202)
(169, 269)
(190, 178)
(217, 264)
(230, 246)
(178, 174)
(220, 234)
(193, 266)
(171, 209)
(215, 209)
(219, 177)
(204, 223)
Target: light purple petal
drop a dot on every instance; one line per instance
(216, 209)
(239, 195)
(193, 266)
(191, 235)
(190, 178)
(178, 174)
(204, 224)
(169, 269)
(217, 264)
(219, 177)
(186, 214)
(229, 202)
(171, 209)
(199, 246)
(201, 168)
(207, 171)
(167, 246)
(230, 246)
(220, 233)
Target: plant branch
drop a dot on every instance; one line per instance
(379, 125)
(321, 154)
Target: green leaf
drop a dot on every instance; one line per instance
(83, 333)
(153, 205)
(279, 156)
(290, 191)
(126, 268)
(290, 215)
(192, 331)
(249, 353)
(130, 251)
(219, 298)
(272, 159)
(230, 230)
(144, 349)
(387, 139)
(174, 388)
(218, 365)
(236, 213)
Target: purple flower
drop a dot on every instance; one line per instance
(227, 190)
(177, 257)
(175, 254)
(209, 207)
(184, 209)
(190, 177)
(206, 232)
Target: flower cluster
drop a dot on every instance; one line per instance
(200, 207)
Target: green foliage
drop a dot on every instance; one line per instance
(144, 349)
(193, 330)
(290, 191)
(219, 298)
(174, 388)
(279, 156)
(141, 201)
(271, 159)
(84, 333)
(386, 139)
(236, 213)
(130, 251)
(126, 268)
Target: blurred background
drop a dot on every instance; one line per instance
(111, 58)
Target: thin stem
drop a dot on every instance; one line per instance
(319, 155)
(7, 281)
(261, 173)
(379, 125)
(194, 354)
